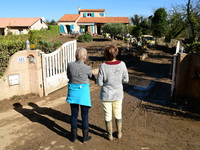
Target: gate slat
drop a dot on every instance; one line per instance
(55, 65)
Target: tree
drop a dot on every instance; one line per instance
(114, 29)
(136, 20)
(136, 31)
(193, 19)
(146, 26)
(176, 25)
(185, 18)
(52, 22)
(141, 26)
(159, 22)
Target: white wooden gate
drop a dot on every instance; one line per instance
(55, 65)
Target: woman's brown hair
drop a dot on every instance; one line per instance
(111, 52)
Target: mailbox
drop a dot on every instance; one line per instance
(31, 58)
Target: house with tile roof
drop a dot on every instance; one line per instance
(88, 20)
(19, 26)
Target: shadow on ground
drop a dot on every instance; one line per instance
(36, 114)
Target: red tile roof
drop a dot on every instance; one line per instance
(91, 10)
(4, 22)
(69, 17)
(103, 20)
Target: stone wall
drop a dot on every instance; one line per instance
(22, 76)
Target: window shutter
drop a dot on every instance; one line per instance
(92, 14)
(71, 27)
(102, 14)
(84, 14)
(92, 29)
(62, 29)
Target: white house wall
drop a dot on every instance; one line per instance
(36, 26)
(76, 27)
(96, 14)
(17, 32)
(6, 31)
(39, 25)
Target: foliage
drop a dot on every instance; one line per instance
(193, 48)
(159, 22)
(49, 47)
(146, 27)
(176, 26)
(40, 39)
(136, 20)
(85, 38)
(34, 37)
(193, 18)
(52, 32)
(12, 43)
(52, 22)
(114, 29)
(136, 31)
(182, 21)
(141, 26)
(7, 49)
(188, 20)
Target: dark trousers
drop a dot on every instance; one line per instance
(84, 115)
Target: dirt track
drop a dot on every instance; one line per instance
(149, 121)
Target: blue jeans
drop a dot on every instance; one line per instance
(84, 115)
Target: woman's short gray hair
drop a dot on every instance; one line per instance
(81, 53)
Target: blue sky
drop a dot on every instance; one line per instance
(55, 9)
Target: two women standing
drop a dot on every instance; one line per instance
(110, 77)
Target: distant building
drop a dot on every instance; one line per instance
(88, 20)
(19, 26)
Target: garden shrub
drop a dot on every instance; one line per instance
(85, 38)
(7, 49)
(38, 39)
(193, 48)
(49, 47)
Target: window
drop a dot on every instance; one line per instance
(20, 31)
(89, 14)
(101, 14)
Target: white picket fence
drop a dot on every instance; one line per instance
(55, 65)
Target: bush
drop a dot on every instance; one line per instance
(12, 43)
(193, 48)
(48, 47)
(7, 49)
(85, 38)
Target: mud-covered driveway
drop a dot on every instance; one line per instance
(149, 122)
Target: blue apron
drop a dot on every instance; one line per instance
(79, 94)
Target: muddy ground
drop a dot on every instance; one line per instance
(150, 121)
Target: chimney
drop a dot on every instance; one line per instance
(79, 8)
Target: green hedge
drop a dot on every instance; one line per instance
(10, 44)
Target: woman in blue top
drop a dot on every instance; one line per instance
(79, 74)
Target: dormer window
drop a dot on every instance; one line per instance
(101, 14)
(89, 14)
